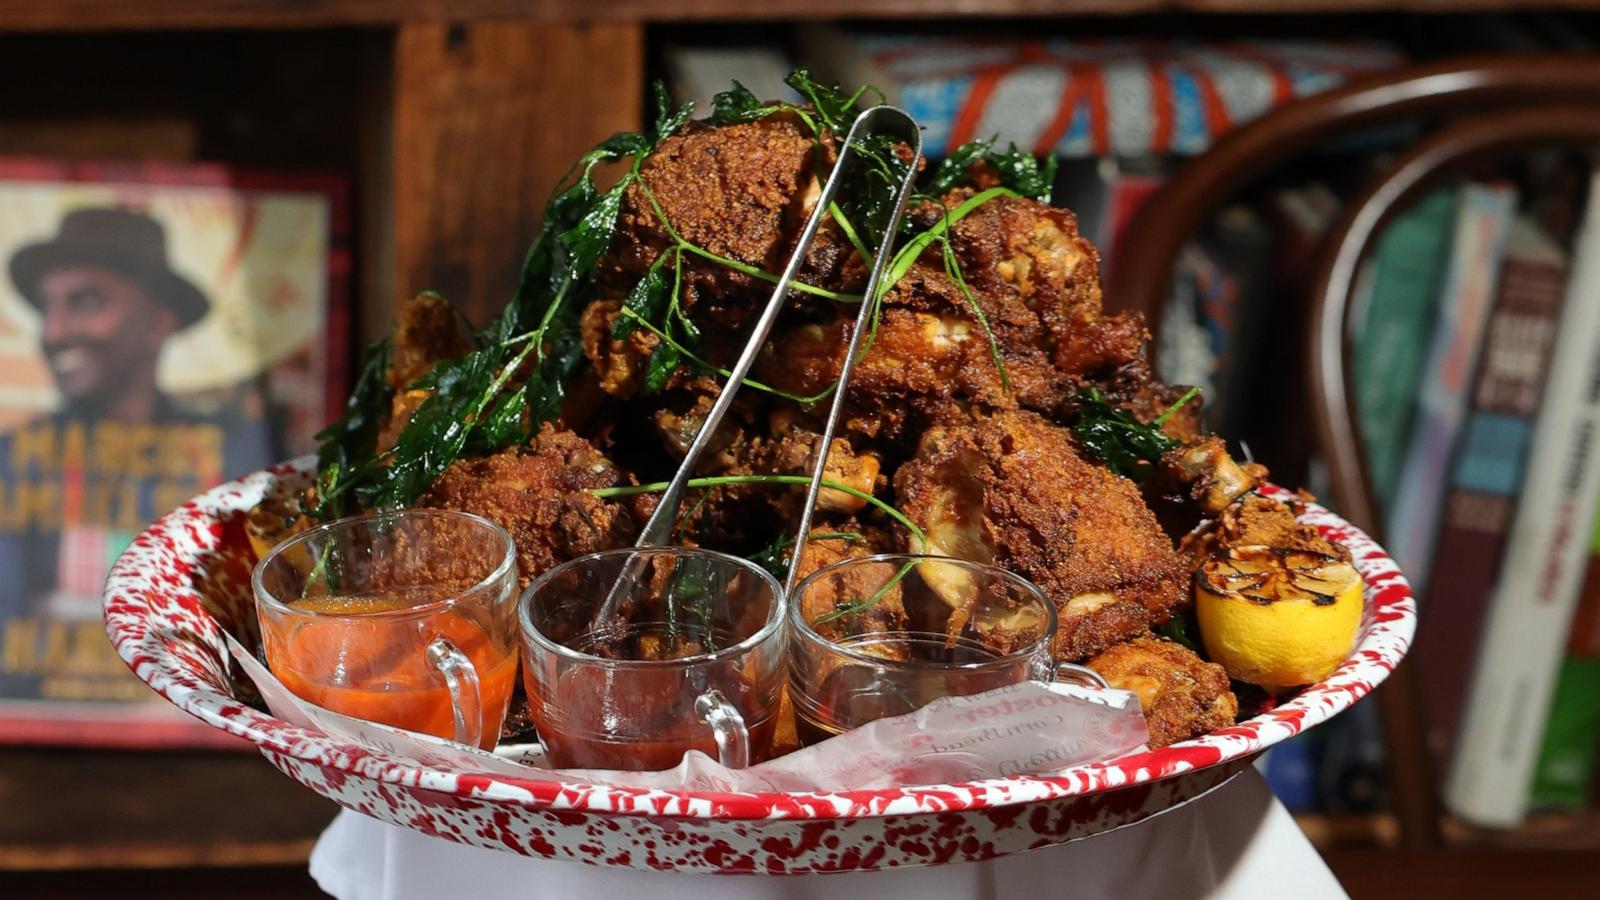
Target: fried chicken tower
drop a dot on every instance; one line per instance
(959, 415)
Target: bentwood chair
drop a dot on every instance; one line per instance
(1486, 109)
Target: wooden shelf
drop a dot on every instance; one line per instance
(86, 15)
(1329, 832)
(74, 809)
(1543, 831)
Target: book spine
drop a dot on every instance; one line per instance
(1487, 474)
(1482, 225)
(1564, 773)
(1538, 585)
(1400, 290)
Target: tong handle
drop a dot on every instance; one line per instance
(658, 530)
(894, 120)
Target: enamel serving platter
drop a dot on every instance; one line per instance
(187, 577)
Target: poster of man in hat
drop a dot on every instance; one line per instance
(159, 333)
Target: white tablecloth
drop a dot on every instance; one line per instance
(1237, 842)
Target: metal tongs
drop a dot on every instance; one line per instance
(879, 120)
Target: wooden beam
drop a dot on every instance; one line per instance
(487, 118)
(80, 15)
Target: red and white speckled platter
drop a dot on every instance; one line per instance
(190, 571)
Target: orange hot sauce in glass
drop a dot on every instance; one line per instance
(376, 670)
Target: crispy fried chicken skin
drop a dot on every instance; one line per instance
(1182, 695)
(1012, 489)
(1258, 521)
(540, 493)
(427, 330)
(738, 191)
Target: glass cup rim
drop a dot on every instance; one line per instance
(804, 629)
(774, 622)
(507, 563)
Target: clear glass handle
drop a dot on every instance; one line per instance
(727, 726)
(461, 680)
(1046, 670)
(1080, 675)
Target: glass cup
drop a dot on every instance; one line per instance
(404, 618)
(632, 657)
(881, 636)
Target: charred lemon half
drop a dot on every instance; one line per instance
(1277, 617)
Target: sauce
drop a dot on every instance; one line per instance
(376, 669)
(640, 720)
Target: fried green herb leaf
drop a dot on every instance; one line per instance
(668, 120)
(1127, 446)
(504, 425)
(588, 239)
(1019, 170)
(663, 362)
(1024, 173)
(349, 442)
(438, 430)
(737, 104)
(648, 299)
(955, 170)
(835, 109)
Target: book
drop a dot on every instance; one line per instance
(1391, 321)
(1483, 220)
(163, 328)
(1486, 473)
(1537, 590)
(1564, 774)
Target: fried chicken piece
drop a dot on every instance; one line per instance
(825, 595)
(1035, 281)
(619, 363)
(792, 450)
(1021, 254)
(1182, 695)
(1011, 489)
(919, 366)
(735, 190)
(427, 330)
(541, 494)
(1258, 521)
(1208, 475)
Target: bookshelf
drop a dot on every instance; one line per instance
(455, 119)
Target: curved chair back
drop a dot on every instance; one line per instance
(1141, 274)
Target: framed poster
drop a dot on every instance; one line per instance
(163, 328)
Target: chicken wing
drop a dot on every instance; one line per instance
(1012, 489)
(1182, 695)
